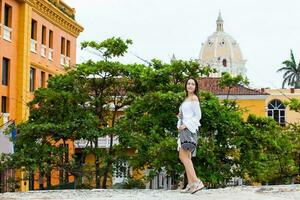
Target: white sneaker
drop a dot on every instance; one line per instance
(197, 186)
(186, 189)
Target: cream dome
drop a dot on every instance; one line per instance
(221, 51)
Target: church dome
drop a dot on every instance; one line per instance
(220, 50)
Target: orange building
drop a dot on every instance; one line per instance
(37, 40)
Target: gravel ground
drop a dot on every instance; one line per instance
(286, 192)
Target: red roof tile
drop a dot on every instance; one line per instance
(211, 84)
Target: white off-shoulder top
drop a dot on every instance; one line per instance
(191, 115)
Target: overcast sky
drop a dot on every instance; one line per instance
(266, 30)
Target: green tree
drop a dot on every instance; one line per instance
(291, 70)
(217, 153)
(266, 152)
(294, 131)
(229, 81)
(149, 124)
(109, 87)
(57, 115)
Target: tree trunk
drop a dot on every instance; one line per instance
(41, 181)
(66, 161)
(109, 160)
(297, 84)
(48, 174)
(228, 93)
(97, 165)
(31, 180)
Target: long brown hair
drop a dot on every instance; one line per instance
(196, 86)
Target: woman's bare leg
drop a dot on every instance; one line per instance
(185, 157)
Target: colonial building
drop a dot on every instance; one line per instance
(222, 52)
(275, 107)
(37, 41)
(252, 101)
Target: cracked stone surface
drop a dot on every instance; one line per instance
(282, 192)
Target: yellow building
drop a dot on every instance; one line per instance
(251, 100)
(37, 40)
(263, 102)
(275, 108)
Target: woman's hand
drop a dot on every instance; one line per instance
(179, 116)
(182, 127)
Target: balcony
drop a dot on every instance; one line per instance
(67, 61)
(62, 59)
(4, 118)
(7, 33)
(103, 142)
(43, 50)
(50, 54)
(33, 45)
(6, 145)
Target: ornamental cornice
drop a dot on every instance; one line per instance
(55, 16)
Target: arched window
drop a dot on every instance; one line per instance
(276, 110)
(224, 62)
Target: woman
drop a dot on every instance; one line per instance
(189, 120)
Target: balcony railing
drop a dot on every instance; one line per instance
(62, 59)
(103, 142)
(43, 50)
(67, 61)
(4, 118)
(50, 54)
(5, 140)
(7, 33)
(33, 45)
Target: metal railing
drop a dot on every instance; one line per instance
(33, 45)
(7, 33)
(50, 54)
(43, 50)
(103, 142)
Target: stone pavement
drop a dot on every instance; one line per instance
(289, 192)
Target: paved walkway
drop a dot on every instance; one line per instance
(290, 192)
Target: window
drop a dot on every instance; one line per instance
(4, 104)
(276, 110)
(63, 46)
(49, 77)
(50, 39)
(5, 71)
(42, 79)
(0, 13)
(33, 29)
(44, 35)
(33, 42)
(224, 62)
(68, 48)
(32, 79)
(121, 170)
(7, 15)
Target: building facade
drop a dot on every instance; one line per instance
(222, 52)
(37, 41)
(275, 107)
